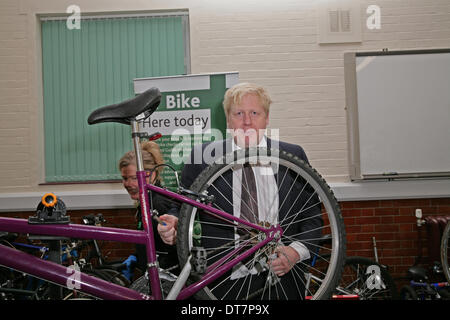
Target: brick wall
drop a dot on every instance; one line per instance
(393, 224)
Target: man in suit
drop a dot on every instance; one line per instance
(247, 112)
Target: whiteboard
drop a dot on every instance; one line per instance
(400, 113)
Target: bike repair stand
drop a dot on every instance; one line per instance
(51, 210)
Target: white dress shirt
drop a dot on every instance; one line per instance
(268, 203)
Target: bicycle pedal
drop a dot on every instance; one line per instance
(198, 260)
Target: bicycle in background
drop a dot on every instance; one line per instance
(15, 285)
(421, 286)
(366, 279)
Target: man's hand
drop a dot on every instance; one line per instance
(168, 232)
(285, 260)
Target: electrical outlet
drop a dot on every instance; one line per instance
(419, 213)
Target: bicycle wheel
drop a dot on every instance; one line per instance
(303, 206)
(367, 279)
(445, 254)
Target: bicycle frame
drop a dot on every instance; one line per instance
(69, 277)
(61, 275)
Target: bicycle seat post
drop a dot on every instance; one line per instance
(146, 214)
(136, 143)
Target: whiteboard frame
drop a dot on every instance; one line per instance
(351, 99)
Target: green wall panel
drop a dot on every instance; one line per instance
(90, 67)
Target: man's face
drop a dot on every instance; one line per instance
(248, 119)
(129, 181)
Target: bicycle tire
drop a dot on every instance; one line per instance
(445, 256)
(408, 293)
(115, 277)
(355, 278)
(308, 179)
(444, 293)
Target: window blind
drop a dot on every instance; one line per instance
(94, 66)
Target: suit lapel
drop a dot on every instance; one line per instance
(282, 189)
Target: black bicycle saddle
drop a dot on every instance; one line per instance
(126, 111)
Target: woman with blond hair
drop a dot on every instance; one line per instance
(152, 158)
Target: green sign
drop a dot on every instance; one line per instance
(191, 112)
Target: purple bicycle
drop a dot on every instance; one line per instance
(221, 255)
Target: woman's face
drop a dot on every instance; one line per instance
(130, 181)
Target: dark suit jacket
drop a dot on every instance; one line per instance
(167, 253)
